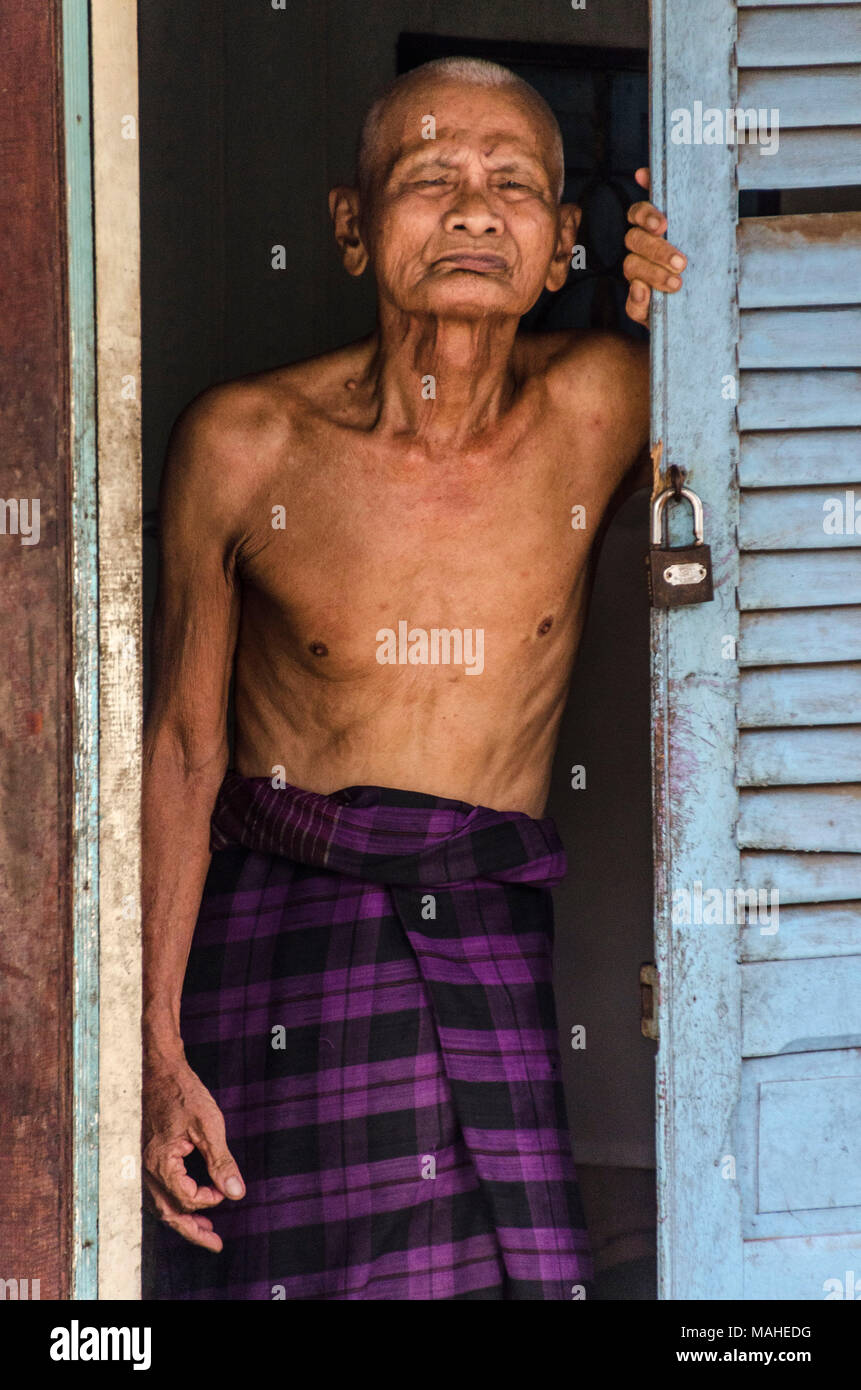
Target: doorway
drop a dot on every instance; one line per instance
(248, 115)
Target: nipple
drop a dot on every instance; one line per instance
(350, 384)
(318, 649)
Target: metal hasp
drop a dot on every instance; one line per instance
(649, 998)
(678, 575)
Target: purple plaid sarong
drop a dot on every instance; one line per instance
(369, 999)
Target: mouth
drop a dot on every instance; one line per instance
(479, 262)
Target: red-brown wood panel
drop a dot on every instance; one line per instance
(35, 693)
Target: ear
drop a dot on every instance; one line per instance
(344, 212)
(569, 221)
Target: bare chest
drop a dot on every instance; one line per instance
(362, 555)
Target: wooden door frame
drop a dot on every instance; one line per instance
(35, 676)
(695, 679)
(101, 115)
(694, 684)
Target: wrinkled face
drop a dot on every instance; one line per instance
(467, 224)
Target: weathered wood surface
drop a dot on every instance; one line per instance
(811, 1171)
(801, 1006)
(811, 258)
(694, 343)
(824, 158)
(806, 1233)
(800, 757)
(801, 518)
(772, 458)
(805, 1110)
(771, 37)
(780, 697)
(780, 400)
(802, 1168)
(797, 636)
(800, 338)
(804, 878)
(801, 818)
(35, 767)
(116, 165)
(823, 96)
(804, 930)
(800, 579)
(798, 1267)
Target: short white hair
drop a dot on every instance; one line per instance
(478, 72)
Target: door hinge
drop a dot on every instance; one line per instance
(649, 1000)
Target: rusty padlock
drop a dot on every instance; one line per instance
(682, 575)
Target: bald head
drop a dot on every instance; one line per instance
(476, 72)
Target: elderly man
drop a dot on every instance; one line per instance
(390, 545)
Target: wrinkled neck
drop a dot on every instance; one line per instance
(442, 380)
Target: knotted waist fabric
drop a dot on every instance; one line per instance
(369, 999)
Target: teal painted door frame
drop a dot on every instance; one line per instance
(695, 669)
(85, 619)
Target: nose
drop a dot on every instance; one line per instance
(471, 213)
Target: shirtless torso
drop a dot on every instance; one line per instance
(321, 532)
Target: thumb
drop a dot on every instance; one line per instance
(643, 178)
(637, 303)
(222, 1167)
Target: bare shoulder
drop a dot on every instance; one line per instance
(610, 363)
(232, 439)
(216, 446)
(600, 381)
(597, 390)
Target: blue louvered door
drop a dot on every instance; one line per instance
(757, 697)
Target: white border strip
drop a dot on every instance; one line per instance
(117, 233)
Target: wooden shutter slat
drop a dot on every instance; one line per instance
(809, 158)
(800, 635)
(808, 259)
(805, 930)
(771, 458)
(803, 878)
(800, 579)
(812, 518)
(772, 37)
(806, 96)
(792, 696)
(776, 338)
(773, 400)
(788, 757)
(801, 818)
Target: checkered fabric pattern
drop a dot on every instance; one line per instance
(369, 999)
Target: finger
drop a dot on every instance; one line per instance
(648, 216)
(643, 178)
(655, 248)
(193, 1229)
(183, 1200)
(191, 1226)
(220, 1163)
(638, 268)
(637, 303)
(164, 1166)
